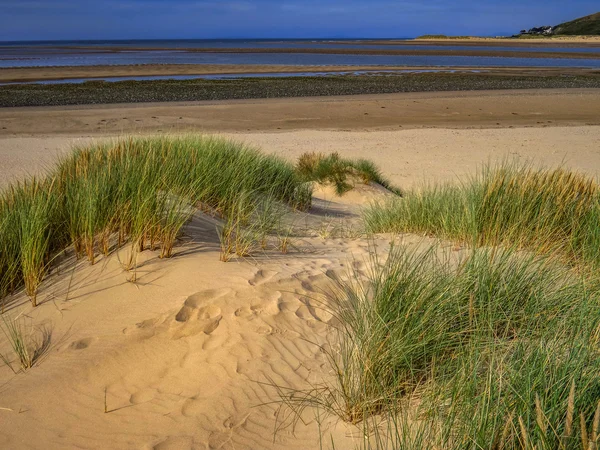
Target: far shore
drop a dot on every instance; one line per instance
(593, 40)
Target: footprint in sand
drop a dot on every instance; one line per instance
(176, 443)
(198, 314)
(244, 312)
(193, 407)
(262, 276)
(82, 344)
(145, 329)
(267, 304)
(218, 439)
(265, 330)
(235, 421)
(143, 396)
(289, 306)
(304, 313)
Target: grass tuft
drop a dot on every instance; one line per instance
(340, 172)
(549, 211)
(25, 347)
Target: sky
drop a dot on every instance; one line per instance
(189, 19)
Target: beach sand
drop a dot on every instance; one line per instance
(190, 356)
(469, 109)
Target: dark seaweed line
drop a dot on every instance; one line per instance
(196, 90)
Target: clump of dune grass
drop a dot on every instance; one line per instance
(496, 349)
(10, 259)
(24, 346)
(15, 334)
(552, 211)
(175, 212)
(138, 192)
(34, 205)
(340, 172)
(252, 225)
(237, 235)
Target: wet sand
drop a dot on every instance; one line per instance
(24, 74)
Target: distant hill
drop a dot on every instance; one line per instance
(588, 25)
(584, 26)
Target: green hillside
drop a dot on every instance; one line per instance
(588, 25)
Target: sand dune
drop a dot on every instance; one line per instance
(192, 355)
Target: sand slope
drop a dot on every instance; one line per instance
(190, 355)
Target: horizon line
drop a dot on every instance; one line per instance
(354, 38)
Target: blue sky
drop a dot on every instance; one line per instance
(147, 19)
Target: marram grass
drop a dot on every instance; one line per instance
(494, 350)
(139, 191)
(340, 172)
(549, 211)
(27, 344)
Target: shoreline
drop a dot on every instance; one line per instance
(29, 74)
